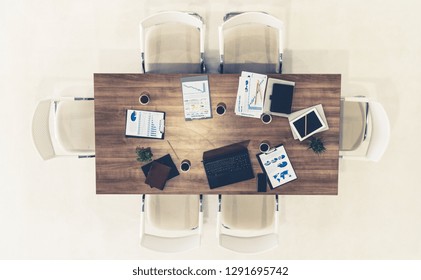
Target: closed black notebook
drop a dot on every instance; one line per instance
(281, 98)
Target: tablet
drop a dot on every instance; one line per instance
(307, 124)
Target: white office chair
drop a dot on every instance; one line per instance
(64, 127)
(171, 223)
(365, 129)
(251, 41)
(248, 223)
(172, 42)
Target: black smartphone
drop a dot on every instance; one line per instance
(261, 182)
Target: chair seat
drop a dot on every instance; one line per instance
(75, 128)
(353, 124)
(250, 67)
(173, 212)
(247, 212)
(171, 46)
(251, 41)
(173, 68)
(171, 223)
(255, 43)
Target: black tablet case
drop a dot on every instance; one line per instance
(281, 98)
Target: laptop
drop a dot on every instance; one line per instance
(227, 165)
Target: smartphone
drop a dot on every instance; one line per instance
(261, 182)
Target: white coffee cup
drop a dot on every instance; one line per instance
(185, 165)
(266, 118)
(264, 146)
(144, 98)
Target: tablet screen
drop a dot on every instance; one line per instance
(307, 124)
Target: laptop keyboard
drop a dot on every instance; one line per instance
(226, 166)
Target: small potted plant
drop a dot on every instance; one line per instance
(144, 154)
(316, 144)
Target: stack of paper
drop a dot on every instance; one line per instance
(250, 95)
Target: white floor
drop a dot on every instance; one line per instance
(49, 209)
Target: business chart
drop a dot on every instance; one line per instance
(196, 97)
(146, 124)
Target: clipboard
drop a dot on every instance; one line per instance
(196, 97)
(276, 165)
(145, 124)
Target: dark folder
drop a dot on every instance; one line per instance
(281, 98)
(157, 175)
(165, 160)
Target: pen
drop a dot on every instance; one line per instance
(173, 149)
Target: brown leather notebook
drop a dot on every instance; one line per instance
(157, 175)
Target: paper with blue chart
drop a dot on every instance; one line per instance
(250, 94)
(146, 124)
(277, 166)
(196, 97)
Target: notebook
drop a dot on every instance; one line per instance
(158, 175)
(227, 165)
(165, 160)
(279, 97)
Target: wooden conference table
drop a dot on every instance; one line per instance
(118, 172)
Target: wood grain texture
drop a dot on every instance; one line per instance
(118, 172)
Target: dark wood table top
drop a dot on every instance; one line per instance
(118, 172)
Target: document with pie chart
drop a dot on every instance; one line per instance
(145, 124)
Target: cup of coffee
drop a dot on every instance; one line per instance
(221, 108)
(185, 165)
(144, 98)
(264, 146)
(266, 118)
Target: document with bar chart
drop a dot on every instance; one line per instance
(146, 124)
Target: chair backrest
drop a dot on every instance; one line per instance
(74, 126)
(380, 131)
(171, 223)
(371, 124)
(41, 130)
(248, 223)
(251, 41)
(172, 42)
